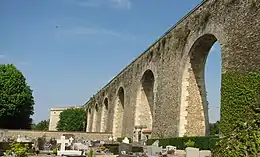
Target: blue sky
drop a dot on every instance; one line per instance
(94, 41)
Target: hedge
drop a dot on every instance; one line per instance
(213, 142)
(114, 148)
(240, 93)
(201, 142)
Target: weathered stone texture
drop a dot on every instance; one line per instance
(56, 135)
(104, 116)
(177, 61)
(89, 120)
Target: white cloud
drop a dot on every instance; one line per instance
(119, 4)
(2, 56)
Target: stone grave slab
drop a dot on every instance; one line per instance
(154, 150)
(62, 152)
(192, 152)
(205, 153)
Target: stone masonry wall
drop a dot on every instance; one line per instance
(104, 118)
(180, 106)
(56, 135)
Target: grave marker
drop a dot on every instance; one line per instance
(63, 143)
(192, 152)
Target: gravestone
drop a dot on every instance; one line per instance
(124, 149)
(63, 152)
(62, 141)
(80, 146)
(171, 149)
(22, 139)
(2, 135)
(205, 153)
(156, 143)
(192, 152)
(96, 143)
(125, 140)
(154, 149)
(71, 141)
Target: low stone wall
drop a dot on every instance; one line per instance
(56, 134)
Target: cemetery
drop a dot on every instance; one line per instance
(157, 106)
(70, 145)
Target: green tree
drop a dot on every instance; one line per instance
(42, 125)
(72, 119)
(16, 100)
(214, 128)
(240, 116)
(244, 139)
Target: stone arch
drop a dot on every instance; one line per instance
(89, 120)
(145, 99)
(95, 118)
(104, 115)
(194, 120)
(119, 113)
(145, 102)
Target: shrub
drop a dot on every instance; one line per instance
(4, 146)
(21, 150)
(189, 143)
(91, 153)
(55, 151)
(213, 142)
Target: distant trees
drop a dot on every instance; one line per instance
(16, 100)
(72, 119)
(214, 128)
(42, 125)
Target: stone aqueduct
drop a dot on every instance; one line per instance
(164, 87)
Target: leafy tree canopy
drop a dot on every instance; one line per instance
(16, 100)
(240, 116)
(243, 141)
(239, 92)
(72, 119)
(42, 125)
(214, 128)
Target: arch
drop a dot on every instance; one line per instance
(193, 95)
(144, 102)
(104, 116)
(95, 119)
(119, 113)
(96, 108)
(89, 121)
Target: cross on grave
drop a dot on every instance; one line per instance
(63, 142)
(71, 140)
